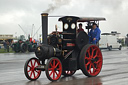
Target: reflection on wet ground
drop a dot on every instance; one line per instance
(71, 81)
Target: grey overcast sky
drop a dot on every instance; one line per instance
(27, 12)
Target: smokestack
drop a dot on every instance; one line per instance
(44, 27)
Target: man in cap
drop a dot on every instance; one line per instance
(94, 34)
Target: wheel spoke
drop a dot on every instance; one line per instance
(29, 70)
(59, 68)
(56, 73)
(57, 64)
(31, 63)
(91, 48)
(98, 69)
(95, 54)
(98, 61)
(88, 52)
(29, 66)
(31, 74)
(37, 71)
(87, 58)
(93, 68)
(34, 74)
(53, 63)
(89, 68)
(98, 65)
(51, 73)
(50, 69)
(34, 63)
(87, 63)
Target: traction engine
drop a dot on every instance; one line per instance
(63, 53)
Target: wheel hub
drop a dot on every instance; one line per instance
(93, 60)
(33, 68)
(55, 69)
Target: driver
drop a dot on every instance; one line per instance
(80, 28)
(94, 34)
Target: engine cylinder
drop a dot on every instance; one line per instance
(46, 51)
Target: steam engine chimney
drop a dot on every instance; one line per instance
(44, 27)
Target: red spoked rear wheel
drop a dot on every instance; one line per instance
(91, 60)
(53, 69)
(68, 73)
(30, 69)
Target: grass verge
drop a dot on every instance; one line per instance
(2, 50)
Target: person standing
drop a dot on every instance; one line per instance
(5, 45)
(94, 34)
(80, 28)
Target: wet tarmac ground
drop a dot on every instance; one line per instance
(114, 71)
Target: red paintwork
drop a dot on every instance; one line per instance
(93, 68)
(55, 69)
(31, 69)
(70, 44)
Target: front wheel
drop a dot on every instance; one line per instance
(90, 60)
(53, 69)
(16, 48)
(23, 47)
(29, 69)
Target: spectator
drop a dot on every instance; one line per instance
(5, 45)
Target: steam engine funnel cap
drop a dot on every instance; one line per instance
(44, 14)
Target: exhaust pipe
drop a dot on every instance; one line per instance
(44, 27)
